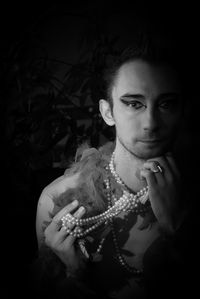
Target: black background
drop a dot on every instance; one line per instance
(18, 239)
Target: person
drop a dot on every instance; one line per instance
(108, 227)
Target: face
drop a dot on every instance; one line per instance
(146, 108)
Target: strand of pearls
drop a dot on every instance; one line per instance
(117, 178)
(126, 202)
(121, 260)
(114, 173)
(111, 197)
(120, 257)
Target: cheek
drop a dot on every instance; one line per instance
(126, 120)
(127, 125)
(172, 121)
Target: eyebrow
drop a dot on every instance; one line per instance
(139, 96)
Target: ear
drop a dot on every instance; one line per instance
(106, 113)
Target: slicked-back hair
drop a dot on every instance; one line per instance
(150, 49)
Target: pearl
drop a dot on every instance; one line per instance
(126, 203)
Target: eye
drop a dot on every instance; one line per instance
(133, 104)
(168, 104)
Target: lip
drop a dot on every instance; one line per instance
(151, 141)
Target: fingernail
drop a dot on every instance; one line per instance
(75, 202)
(81, 209)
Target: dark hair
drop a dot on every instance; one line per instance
(156, 51)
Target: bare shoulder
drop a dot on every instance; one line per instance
(45, 202)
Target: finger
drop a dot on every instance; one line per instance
(149, 176)
(69, 220)
(78, 214)
(56, 221)
(156, 168)
(64, 232)
(165, 166)
(153, 166)
(168, 173)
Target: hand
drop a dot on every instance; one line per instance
(59, 239)
(164, 189)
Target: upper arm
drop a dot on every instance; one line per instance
(44, 207)
(45, 203)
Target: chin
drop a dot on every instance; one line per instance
(151, 152)
(147, 156)
(146, 151)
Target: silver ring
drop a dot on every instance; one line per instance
(159, 168)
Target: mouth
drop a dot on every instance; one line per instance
(151, 141)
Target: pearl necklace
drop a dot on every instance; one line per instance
(110, 196)
(114, 173)
(117, 178)
(126, 203)
(121, 260)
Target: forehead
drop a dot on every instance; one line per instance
(140, 77)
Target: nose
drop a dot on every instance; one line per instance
(150, 120)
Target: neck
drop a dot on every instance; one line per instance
(128, 167)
